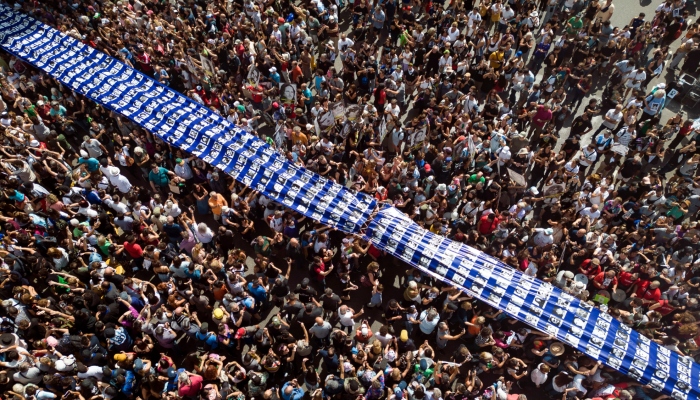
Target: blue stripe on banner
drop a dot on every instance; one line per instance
(538, 304)
(182, 123)
(191, 126)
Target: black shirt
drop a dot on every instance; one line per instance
(331, 303)
(580, 125)
(305, 294)
(549, 214)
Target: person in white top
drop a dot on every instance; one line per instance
(118, 180)
(626, 135)
(610, 119)
(539, 374)
(591, 212)
(347, 317)
(599, 195)
(453, 32)
(634, 80)
(474, 22)
(543, 236)
(344, 43)
(506, 15)
(203, 233)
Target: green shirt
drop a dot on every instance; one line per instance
(159, 178)
(576, 25)
(475, 179)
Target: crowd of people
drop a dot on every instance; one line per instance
(132, 270)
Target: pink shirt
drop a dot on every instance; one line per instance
(542, 116)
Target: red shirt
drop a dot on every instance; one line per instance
(600, 278)
(486, 228)
(649, 294)
(319, 269)
(134, 250)
(665, 308)
(256, 93)
(192, 389)
(589, 269)
(642, 285)
(626, 279)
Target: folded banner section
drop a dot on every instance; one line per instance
(182, 122)
(204, 133)
(539, 304)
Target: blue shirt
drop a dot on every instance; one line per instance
(307, 93)
(208, 338)
(173, 231)
(92, 197)
(259, 293)
(297, 393)
(91, 163)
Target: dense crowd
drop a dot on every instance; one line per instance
(134, 270)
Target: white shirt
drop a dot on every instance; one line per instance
(589, 157)
(614, 115)
(598, 196)
(541, 239)
(537, 376)
(474, 16)
(624, 136)
(116, 206)
(588, 212)
(204, 237)
(121, 182)
(506, 15)
(346, 319)
(343, 44)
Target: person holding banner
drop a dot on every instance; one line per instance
(456, 227)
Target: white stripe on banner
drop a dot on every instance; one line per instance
(183, 123)
(196, 129)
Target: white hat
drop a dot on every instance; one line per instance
(114, 171)
(74, 222)
(534, 191)
(273, 69)
(83, 154)
(34, 143)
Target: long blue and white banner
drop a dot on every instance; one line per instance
(196, 129)
(182, 122)
(537, 303)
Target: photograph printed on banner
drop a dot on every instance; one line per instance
(536, 311)
(325, 122)
(478, 285)
(253, 77)
(338, 109)
(678, 395)
(288, 93)
(614, 362)
(353, 112)
(513, 309)
(592, 351)
(517, 301)
(540, 301)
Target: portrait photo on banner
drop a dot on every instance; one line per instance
(288, 93)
